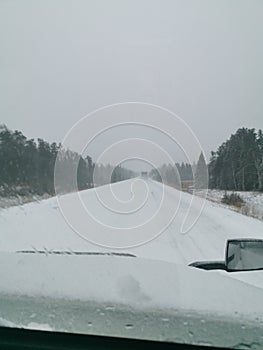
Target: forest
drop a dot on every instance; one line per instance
(27, 166)
(237, 165)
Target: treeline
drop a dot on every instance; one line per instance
(195, 175)
(238, 163)
(27, 166)
(108, 173)
(173, 174)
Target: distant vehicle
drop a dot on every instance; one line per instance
(144, 174)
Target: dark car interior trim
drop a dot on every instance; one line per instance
(18, 338)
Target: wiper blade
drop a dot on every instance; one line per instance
(61, 252)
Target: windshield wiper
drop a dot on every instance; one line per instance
(67, 252)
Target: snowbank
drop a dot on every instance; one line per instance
(253, 205)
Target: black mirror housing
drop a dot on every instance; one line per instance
(244, 255)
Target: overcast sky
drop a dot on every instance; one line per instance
(202, 59)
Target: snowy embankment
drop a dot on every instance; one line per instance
(253, 201)
(121, 294)
(12, 201)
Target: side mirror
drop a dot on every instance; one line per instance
(244, 255)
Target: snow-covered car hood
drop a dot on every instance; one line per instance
(129, 296)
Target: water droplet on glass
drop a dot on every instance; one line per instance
(109, 308)
(129, 326)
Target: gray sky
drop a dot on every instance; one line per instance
(202, 59)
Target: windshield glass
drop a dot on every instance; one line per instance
(131, 169)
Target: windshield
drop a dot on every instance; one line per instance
(131, 163)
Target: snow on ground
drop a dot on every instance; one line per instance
(42, 226)
(253, 205)
(156, 280)
(7, 202)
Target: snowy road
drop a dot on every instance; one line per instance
(42, 226)
(150, 295)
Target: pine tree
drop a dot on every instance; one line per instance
(238, 162)
(201, 174)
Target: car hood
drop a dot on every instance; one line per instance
(128, 296)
